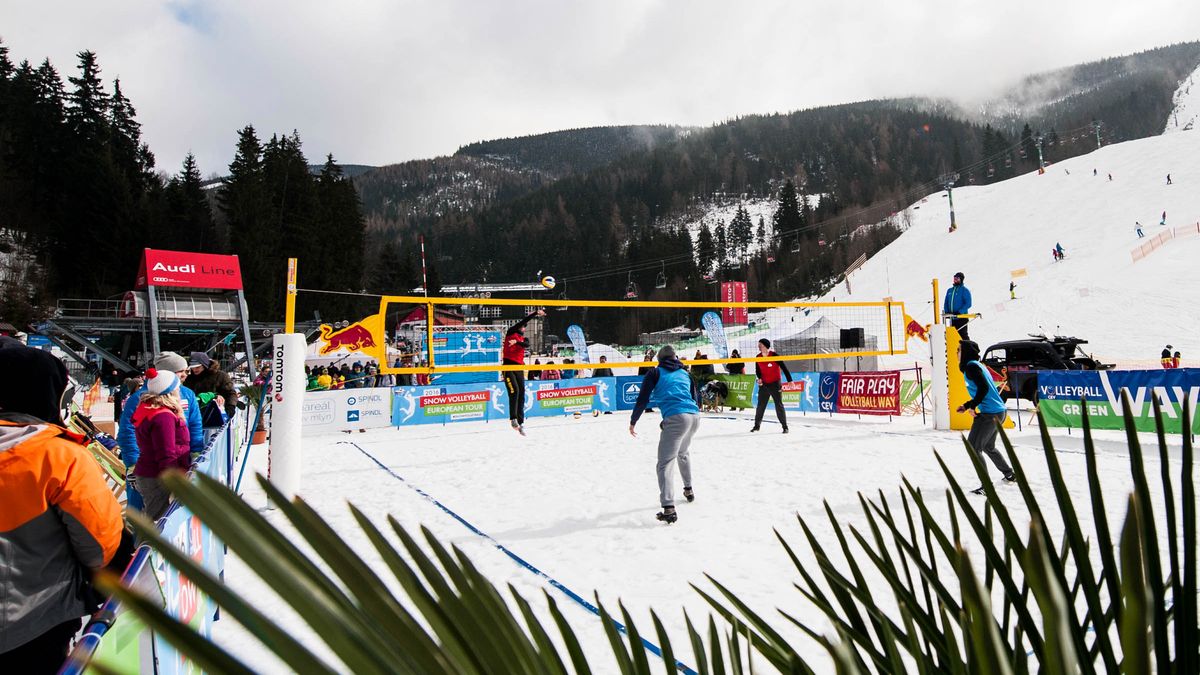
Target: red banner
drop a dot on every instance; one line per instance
(733, 291)
(870, 393)
(189, 270)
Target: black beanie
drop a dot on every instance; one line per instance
(666, 353)
(34, 381)
(765, 342)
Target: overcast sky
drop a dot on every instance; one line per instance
(377, 82)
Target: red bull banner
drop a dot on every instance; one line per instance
(734, 291)
(869, 393)
(913, 328)
(365, 337)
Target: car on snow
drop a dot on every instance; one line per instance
(1017, 362)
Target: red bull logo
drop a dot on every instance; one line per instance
(914, 329)
(354, 337)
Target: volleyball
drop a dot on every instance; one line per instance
(549, 282)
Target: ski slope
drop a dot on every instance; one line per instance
(1127, 310)
(1186, 115)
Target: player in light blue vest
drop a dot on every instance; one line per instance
(987, 406)
(675, 394)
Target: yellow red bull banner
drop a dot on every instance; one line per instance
(366, 337)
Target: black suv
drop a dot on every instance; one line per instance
(1019, 361)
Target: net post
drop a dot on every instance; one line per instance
(290, 317)
(286, 387)
(937, 319)
(891, 343)
(429, 334)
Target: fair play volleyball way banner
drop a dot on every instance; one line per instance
(870, 393)
(1060, 393)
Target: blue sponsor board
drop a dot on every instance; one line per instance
(467, 348)
(551, 398)
(830, 385)
(1060, 393)
(442, 404)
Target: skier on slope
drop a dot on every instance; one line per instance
(1138, 227)
(987, 407)
(1012, 290)
(515, 344)
(675, 390)
(1059, 249)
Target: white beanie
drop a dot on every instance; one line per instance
(161, 381)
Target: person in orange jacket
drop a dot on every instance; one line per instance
(60, 521)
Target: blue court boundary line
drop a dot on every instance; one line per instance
(650, 646)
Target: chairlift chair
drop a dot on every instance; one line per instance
(1023, 153)
(562, 295)
(631, 288)
(796, 244)
(991, 171)
(971, 178)
(661, 280)
(1007, 162)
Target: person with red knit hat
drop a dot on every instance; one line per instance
(163, 437)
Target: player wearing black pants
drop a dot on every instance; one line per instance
(515, 344)
(770, 385)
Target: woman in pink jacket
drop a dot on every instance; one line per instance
(162, 436)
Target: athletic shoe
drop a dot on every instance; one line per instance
(668, 515)
(754, 429)
(688, 494)
(1010, 477)
(785, 430)
(979, 490)
(519, 428)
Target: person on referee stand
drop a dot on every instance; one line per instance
(957, 305)
(515, 344)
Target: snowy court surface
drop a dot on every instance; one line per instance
(576, 499)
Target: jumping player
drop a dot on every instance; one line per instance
(515, 345)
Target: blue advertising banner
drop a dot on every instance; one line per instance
(467, 348)
(628, 387)
(1060, 393)
(715, 330)
(548, 398)
(578, 341)
(829, 387)
(441, 404)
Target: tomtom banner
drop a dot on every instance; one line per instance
(1060, 393)
(733, 291)
(189, 270)
(716, 333)
(869, 393)
(346, 409)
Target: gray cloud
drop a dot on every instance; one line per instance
(383, 81)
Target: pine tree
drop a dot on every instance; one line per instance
(760, 234)
(706, 249)
(244, 202)
(788, 219)
(722, 247)
(189, 213)
(740, 233)
(88, 105)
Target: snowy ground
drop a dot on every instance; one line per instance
(577, 498)
(1186, 115)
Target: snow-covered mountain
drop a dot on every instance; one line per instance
(1186, 115)
(1128, 309)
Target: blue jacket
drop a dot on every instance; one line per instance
(985, 398)
(673, 388)
(128, 440)
(958, 300)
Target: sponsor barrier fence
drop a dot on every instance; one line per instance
(118, 640)
(864, 393)
(1159, 240)
(346, 409)
(1063, 395)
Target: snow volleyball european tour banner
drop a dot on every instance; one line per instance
(441, 404)
(1060, 393)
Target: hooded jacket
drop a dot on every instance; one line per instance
(127, 436)
(984, 396)
(958, 300)
(163, 439)
(213, 379)
(59, 520)
(672, 388)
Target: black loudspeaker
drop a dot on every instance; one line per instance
(852, 338)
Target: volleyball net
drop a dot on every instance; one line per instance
(443, 335)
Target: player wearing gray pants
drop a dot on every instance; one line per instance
(673, 443)
(675, 392)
